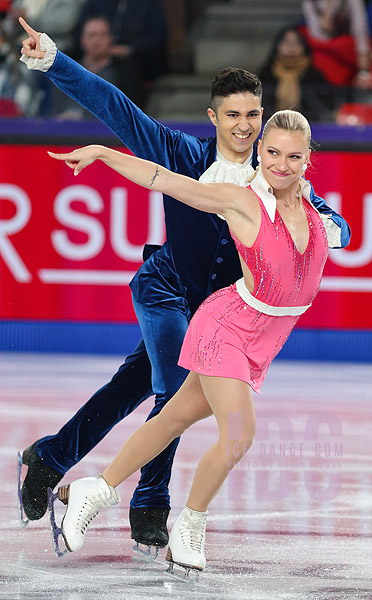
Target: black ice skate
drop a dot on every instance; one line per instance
(32, 494)
(149, 528)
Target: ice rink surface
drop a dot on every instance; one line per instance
(293, 522)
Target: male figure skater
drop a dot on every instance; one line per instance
(198, 258)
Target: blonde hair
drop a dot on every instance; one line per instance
(286, 120)
(289, 120)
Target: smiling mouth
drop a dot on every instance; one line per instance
(242, 136)
(280, 174)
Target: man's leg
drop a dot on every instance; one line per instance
(163, 328)
(51, 457)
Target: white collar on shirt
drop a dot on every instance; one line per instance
(225, 171)
(265, 192)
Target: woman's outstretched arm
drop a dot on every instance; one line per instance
(209, 197)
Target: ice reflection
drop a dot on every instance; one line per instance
(293, 522)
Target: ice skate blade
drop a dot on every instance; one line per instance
(148, 553)
(23, 520)
(55, 530)
(182, 572)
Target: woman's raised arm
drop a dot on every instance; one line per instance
(208, 197)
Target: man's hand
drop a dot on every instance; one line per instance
(31, 45)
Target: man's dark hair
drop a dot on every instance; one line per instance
(233, 81)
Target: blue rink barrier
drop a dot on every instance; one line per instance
(113, 338)
(53, 336)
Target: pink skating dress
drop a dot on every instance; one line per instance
(236, 334)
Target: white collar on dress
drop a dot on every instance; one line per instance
(265, 192)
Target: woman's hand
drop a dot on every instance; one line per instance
(80, 158)
(31, 45)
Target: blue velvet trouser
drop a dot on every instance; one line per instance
(151, 368)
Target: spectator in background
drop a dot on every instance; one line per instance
(4, 7)
(19, 93)
(96, 43)
(290, 81)
(369, 15)
(59, 17)
(140, 33)
(338, 35)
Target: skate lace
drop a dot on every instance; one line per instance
(93, 505)
(192, 532)
(158, 518)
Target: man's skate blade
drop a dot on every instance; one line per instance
(23, 520)
(144, 551)
(56, 531)
(181, 571)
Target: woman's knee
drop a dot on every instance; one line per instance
(186, 408)
(236, 449)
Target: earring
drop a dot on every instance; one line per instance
(258, 158)
(304, 167)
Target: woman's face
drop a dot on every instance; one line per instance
(283, 154)
(290, 46)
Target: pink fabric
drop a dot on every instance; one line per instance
(228, 338)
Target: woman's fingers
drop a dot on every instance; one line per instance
(63, 156)
(71, 160)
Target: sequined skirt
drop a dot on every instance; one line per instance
(228, 338)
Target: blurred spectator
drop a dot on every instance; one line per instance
(338, 35)
(140, 32)
(96, 43)
(369, 15)
(19, 90)
(290, 81)
(58, 17)
(4, 6)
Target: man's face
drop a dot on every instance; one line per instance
(96, 39)
(238, 121)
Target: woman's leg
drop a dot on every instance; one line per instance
(85, 497)
(232, 404)
(187, 406)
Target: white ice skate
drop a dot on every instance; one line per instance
(186, 543)
(21, 513)
(84, 498)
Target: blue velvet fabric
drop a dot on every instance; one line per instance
(198, 258)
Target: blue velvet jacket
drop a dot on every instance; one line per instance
(199, 255)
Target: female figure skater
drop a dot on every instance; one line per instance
(235, 333)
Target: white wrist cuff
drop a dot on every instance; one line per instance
(333, 231)
(42, 64)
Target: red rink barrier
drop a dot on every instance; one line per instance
(70, 245)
